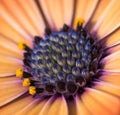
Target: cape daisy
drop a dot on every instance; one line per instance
(65, 68)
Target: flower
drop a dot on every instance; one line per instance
(22, 21)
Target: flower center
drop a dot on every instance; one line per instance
(64, 62)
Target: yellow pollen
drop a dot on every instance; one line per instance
(19, 72)
(79, 21)
(26, 82)
(21, 45)
(32, 90)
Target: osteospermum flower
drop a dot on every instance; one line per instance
(59, 57)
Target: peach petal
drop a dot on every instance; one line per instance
(81, 109)
(112, 62)
(85, 9)
(93, 105)
(113, 39)
(34, 17)
(102, 98)
(37, 108)
(111, 78)
(9, 65)
(16, 106)
(10, 33)
(55, 9)
(33, 104)
(109, 20)
(114, 48)
(68, 6)
(45, 9)
(8, 79)
(107, 87)
(10, 91)
(22, 19)
(101, 6)
(13, 22)
(9, 48)
(58, 107)
(44, 110)
(72, 108)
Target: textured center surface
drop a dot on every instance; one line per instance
(63, 62)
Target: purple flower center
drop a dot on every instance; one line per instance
(63, 62)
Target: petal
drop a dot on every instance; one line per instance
(11, 33)
(81, 109)
(13, 22)
(101, 6)
(55, 11)
(37, 108)
(33, 15)
(44, 110)
(16, 105)
(85, 9)
(31, 106)
(109, 20)
(113, 79)
(113, 39)
(9, 48)
(10, 90)
(9, 65)
(107, 87)
(68, 6)
(58, 107)
(8, 79)
(22, 19)
(113, 48)
(104, 97)
(71, 107)
(112, 62)
(96, 102)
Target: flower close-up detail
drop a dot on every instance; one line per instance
(60, 57)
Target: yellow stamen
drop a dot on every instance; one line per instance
(26, 82)
(32, 90)
(21, 45)
(79, 21)
(19, 72)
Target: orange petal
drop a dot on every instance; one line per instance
(16, 106)
(44, 110)
(103, 99)
(107, 87)
(9, 48)
(109, 20)
(113, 39)
(112, 62)
(22, 19)
(58, 107)
(114, 48)
(93, 106)
(11, 33)
(9, 65)
(33, 15)
(13, 22)
(8, 79)
(68, 6)
(101, 6)
(37, 107)
(31, 106)
(55, 9)
(113, 79)
(81, 109)
(85, 9)
(72, 108)
(10, 91)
